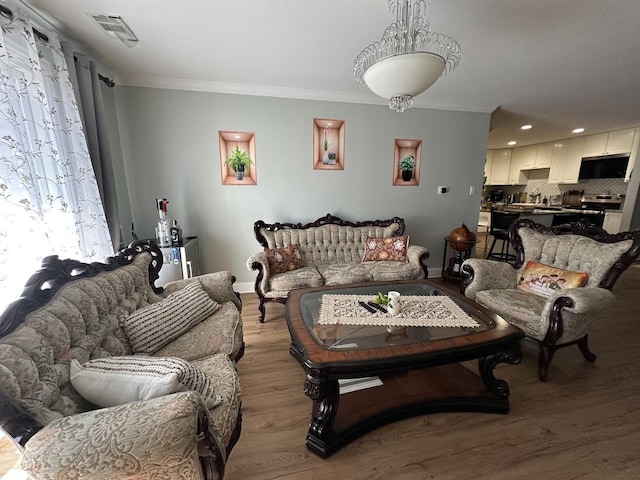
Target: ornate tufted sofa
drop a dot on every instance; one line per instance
(331, 251)
(554, 316)
(71, 311)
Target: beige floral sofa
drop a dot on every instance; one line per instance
(88, 389)
(331, 251)
(560, 282)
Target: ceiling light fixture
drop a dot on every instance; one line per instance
(408, 59)
(577, 130)
(526, 127)
(512, 142)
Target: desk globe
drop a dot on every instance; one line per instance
(461, 238)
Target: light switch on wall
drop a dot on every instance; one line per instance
(472, 190)
(442, 190)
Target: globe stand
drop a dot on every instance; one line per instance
(451, 262)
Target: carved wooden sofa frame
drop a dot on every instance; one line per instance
(258, 262)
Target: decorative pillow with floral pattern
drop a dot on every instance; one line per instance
(544, 280)
(387, 249)
(284, 259)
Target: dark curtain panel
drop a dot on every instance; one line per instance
(86, 84)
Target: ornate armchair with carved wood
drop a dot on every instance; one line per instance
(561, 280)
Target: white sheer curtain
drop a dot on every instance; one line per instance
(49, 198)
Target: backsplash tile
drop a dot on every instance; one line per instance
(539, 179)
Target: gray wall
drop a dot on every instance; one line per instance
(170, 149)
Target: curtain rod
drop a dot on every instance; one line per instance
(9, 14)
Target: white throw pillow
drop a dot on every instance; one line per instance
(152, 327)
(111, 381)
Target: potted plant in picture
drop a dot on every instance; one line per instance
(325, 147)
(332, 158)
(238, 160)
(407, 164)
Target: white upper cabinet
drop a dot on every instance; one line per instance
(488, 163)
(565, 164)
(500, 167)
(619, 141)
(524, 157)
(544, 154)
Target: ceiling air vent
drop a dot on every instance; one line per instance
(116, 27)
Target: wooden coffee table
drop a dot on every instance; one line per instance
(419, 367)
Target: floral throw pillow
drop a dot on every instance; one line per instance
(544, 280)
(387, 249)
(284, 259)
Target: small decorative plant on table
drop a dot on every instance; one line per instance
(407, 164)
(332, 158)
(238, 160)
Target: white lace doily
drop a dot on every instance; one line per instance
(415, 311)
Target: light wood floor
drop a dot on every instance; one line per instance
(582, 424)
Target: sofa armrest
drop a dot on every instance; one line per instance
(218, 285)
(418, 255)
(480, 274)
(259, 263)
(165, 437)
(584, 299)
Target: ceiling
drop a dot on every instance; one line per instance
(554, 64)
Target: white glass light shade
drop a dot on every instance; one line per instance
(406, 74)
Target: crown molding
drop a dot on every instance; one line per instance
(171, 83)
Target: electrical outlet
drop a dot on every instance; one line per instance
(442, 190)
(472, 190)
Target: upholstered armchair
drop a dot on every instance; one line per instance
(533, 293)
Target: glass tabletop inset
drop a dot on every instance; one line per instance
(357, 337)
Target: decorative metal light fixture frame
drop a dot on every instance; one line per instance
(408, 59)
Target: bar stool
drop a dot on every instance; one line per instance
(500, 223)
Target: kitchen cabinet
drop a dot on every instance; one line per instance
(633, 156)
(524, 157)
(619, 141)
(488, 163)
(544, 153)
(566, 159)
(500, 167)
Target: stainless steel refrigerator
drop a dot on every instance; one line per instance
(179, 262)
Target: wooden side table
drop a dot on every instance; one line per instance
(451, 263)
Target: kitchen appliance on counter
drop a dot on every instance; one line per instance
(555, 200)
(496, 195)
(572, 198)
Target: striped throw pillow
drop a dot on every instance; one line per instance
(152, 327)
(111, 381)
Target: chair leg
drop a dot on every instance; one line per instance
(584, 348)
(261, 310)
(493, 244)
(544, 359)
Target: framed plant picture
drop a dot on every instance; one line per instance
(238, 158)
(328, 144)
(406, 162)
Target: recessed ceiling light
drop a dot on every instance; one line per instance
(577, 130)
(526, 127)
(512, 142)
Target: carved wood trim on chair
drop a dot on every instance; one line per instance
(585, 229)
(55, 273)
